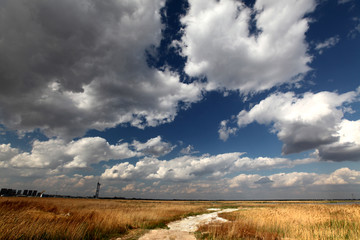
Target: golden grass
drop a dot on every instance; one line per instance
(288, 221)
(56, 218)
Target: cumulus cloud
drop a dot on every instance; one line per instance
(153, 147)
(77, 184)
(225, 131)
(193, 167)
(182, 168)
(55, 153)
(246, 49)
(328, 43)
(301, 122)
(129, 187)
(295, 179)
(343, 182)
(188, 150)
(68, 66)
(6, 153)
(81, 153)
(348, 146)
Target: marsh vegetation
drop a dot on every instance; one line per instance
(56, 218)
(287, 221)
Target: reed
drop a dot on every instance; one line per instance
(56, 218)
(287, 221)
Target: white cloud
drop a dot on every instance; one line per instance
(267, 163)
(192, 167)
(356, 30)
(296, 179)
(328, 43)
(153, 147)
(129, 187)
(6, 153)
(87, 66)
(88, 151)
(348, 146)
(55, 153)
(343, 182)
(243, 180)
(77, 185)
(48, 154)
(225, 131)
(188, 150)
(301, 122)
(232, 57)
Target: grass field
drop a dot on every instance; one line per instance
(57, 218)
(287, 221)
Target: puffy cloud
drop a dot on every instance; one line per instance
(348, 146)
(295, 179)
(48, 154)
(340, 176)
(87, 151)
(188, 150)
(259, 163)
(56, 153)
(129, 187)
(328, 43)
(343, 182)
(244, 180)
(192, 167)
(77, 185)
(68, 66)
(246, 49)
(153, 147)
(225, 131)
(301, 122)
(6, 153)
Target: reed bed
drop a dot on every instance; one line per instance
(287, 221)
(56, 218)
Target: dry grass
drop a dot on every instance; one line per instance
(54, 218)
(288, 221)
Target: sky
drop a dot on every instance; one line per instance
(181, 99)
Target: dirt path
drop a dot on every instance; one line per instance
(164, 234)
(183, 229)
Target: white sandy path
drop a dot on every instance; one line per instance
(183, 229)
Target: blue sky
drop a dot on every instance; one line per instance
(173, 99)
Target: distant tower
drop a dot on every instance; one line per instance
(97, 190)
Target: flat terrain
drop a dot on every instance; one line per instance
(60, 218)
(287, 220)
(56, 218)
(183, 229)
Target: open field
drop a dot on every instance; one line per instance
(57, 218)
(287, 221)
